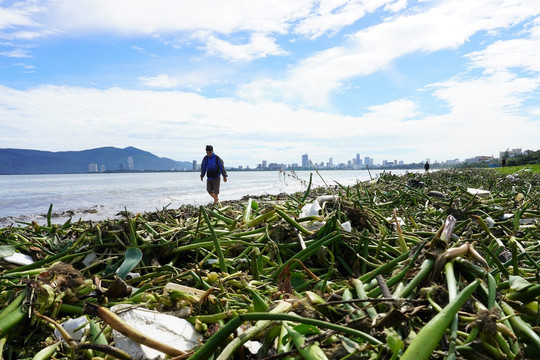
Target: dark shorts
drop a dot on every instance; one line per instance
(212, 186)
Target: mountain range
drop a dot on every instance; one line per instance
(24, 161)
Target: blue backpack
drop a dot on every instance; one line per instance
(212, 167)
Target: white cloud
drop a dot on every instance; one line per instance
(170, 19)
(169, 16)
(288, 112)
(16, 53)
(398, 5)
(523, 53)
(161, 81)
(177, 124)
(258, 46)
(10, 17)
(332, 16)
(170, 119)
(500, 93)
(446, 25)
(20, 16)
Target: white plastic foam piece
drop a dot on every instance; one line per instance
(74, 327)
(168, 329)
(19, 259)
(478, 192)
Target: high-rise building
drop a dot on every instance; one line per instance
(130, 163)
(264, 164)
(305, 160)
(194, 165)
(92, 167)
(358, 161)
(331, 162)
(368, 161)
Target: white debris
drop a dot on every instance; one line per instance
(89, 259)
(312, 209)
(74, 327)
(167, 329)
(19, 259)
(478, 192)
(346, 226)
(253, 346)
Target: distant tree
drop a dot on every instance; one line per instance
(528, 157)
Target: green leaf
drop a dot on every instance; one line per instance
(306, 329)
(7, 250)
(393, 340)
(133, 257)
(518, 283)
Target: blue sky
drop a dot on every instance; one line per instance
(272, 80)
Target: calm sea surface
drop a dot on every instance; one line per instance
(101, 196)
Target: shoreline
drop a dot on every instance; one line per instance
(92, 214)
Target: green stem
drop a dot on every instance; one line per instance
(219, 251)
(429, 336)
(425, 270)
(521, 326)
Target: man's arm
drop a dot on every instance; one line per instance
(222, 168)
(203, 167)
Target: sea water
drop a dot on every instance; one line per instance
(98, 196)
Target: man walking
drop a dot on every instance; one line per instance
(212, 166)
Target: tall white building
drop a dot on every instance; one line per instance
(130, 163)
(305, 160)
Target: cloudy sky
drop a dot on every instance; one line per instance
(272, 80)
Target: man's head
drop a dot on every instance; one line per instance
(209, 149)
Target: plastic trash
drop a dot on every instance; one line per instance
(74, 327)
(168, 329)
(478, 192)
(346, 226)
(313, 208)
(253, 346)
(89, 259)
(19, 259)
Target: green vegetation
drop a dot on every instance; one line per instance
(509, 170)
(440, 265)
(529, 158)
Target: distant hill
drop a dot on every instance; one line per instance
(22, 161)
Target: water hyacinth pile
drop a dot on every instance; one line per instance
(419, 266)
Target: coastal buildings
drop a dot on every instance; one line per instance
(305, 160)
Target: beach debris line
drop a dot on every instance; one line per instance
(448, 269)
